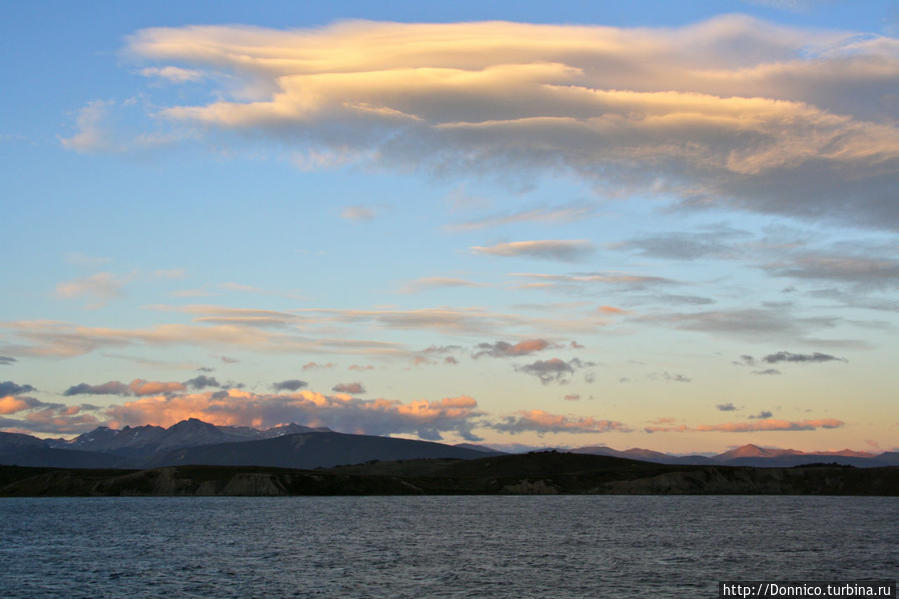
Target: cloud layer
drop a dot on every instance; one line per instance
(803, 125)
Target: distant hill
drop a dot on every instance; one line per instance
(193, 441)
(754, 455)
(313, 450)
(534, 473)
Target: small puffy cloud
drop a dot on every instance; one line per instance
(767, 424)
(172, 74)
(572, 397)
(110, 388)
(11, 388)
(543, 422)
(611, 310)
(502, 349)
(670, 377)
(7, 361)
(201, 382)
(726, 407)
(763, 415)
(785, 356)
(358, 213)
(360, 367)
(351, 388)
(561, 250)
(554, 370)
(11, 405)
(318, 366)
(141, 387)
(289, 385)
(450, 360)
(99, 288)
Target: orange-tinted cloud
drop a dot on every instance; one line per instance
(11, 405)
(768, 424)
(142, 387)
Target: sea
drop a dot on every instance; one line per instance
(420, 547)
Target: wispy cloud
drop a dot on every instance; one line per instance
(548, 214)
(99, 288)
(543, 422)
(428, 283)
(561, 250)
(359, 213)
(767, 424)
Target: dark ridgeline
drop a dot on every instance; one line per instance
(533, 473)
(195, 457)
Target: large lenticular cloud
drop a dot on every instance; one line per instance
(732, 111)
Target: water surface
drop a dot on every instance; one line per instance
(392, 547)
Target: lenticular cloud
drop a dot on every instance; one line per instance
(802, 125)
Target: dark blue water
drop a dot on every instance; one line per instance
(558, 547)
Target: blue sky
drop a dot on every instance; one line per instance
(660, 224)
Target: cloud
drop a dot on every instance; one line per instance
(502, 349)
(575, 281)
(561, 250)
(93, 132)
(572, 397)
(141, 387)
(11, 388)
(668, 376)
(351, 388)
(726, 407)
(863, 272)
(543, 422)
(61, 339)
(172, 74)
(611, 310)
(358, 367)
(800, 126)
(547, 215)
(318, 366)
(428, 419)
(767, 372)
(753, 324)
(11, 405)
(427, 283)
(110, 388)
(785, 356)
(358, 213)
(554, 370)
(718, 242)
(7, 361)
(289, 385)
(201, 382)
(100, 287)
(763, 415)
(767, 424)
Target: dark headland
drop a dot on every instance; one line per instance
(533, 473)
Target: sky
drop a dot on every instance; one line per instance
(669, 225)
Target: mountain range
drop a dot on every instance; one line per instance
(194, 442)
